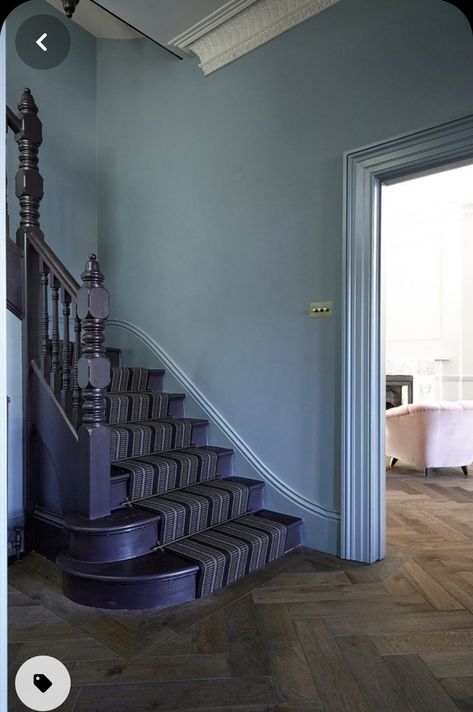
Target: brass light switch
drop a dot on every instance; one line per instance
(320, 309)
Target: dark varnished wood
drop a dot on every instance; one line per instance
(93, 375)
(28, 180)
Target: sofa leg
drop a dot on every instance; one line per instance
(465, 470)
(426, 472)
(393, 461)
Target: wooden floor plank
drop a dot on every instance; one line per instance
(161, 669)
(460, 689)
(299, 593)
(191, 695)
(451, 640)
(315, 609)
(333, 679)
(248, 656)
(275, 623)
(293, 680)
(449, 664)
(311, 579)
(421, 688)
(209, 635)
(379, 687)
(369, 624)
(432, 591)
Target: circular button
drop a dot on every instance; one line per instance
(43, 41)
(42, 683)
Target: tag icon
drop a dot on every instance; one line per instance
(42, 682)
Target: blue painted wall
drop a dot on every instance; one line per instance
(221, 206)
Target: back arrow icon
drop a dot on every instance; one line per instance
(39, 42)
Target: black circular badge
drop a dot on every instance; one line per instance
(43, 42)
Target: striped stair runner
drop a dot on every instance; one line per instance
(202, 518)
(188, 511)
(131, 407)
(128, 379)
(159, 473)
(148, 437)
(231, 551)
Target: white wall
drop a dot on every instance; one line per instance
(427, 234)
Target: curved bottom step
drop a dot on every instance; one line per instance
(188, 569)
(152, 581)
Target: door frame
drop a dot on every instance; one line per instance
(363, 502)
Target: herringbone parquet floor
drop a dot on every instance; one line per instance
(311, 633)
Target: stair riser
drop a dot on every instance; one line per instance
(176, 406)
(119, 485)
(156, 380)
(129, 596)
(106, 547)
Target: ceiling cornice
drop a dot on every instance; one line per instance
(243, 25)
(211, 22)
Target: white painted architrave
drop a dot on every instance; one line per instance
(363, 477)
(243, 25)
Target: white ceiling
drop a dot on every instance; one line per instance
(161, 20)
(98, 22)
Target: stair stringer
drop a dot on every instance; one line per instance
(51, 469)
(321, 527)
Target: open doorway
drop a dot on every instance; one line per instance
(426, 264)
(363, 501)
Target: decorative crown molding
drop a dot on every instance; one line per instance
(243, 25)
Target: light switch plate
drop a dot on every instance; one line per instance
(318, 310)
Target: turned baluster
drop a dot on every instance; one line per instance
(28, 180)
(93, 308)
(66, 352)
(76, 391)
(55, 343)
(45, 357)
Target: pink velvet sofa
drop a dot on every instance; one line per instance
(431, 434)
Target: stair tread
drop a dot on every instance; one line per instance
(193, 509)
(117, 464)
(122, 519)
(150, 567)
(286, 519)
(229, 551)
(194, 421)
(145, 437)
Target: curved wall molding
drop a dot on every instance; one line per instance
(219, 420)
(243, 25)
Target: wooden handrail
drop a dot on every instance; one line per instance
(55, 265)
(13, 122)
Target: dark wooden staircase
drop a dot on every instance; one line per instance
(122, 489)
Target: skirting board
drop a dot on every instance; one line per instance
(321, 524)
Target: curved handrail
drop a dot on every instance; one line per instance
(54, 263)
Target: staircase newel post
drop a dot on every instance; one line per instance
(28, 180)
(93, 376)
